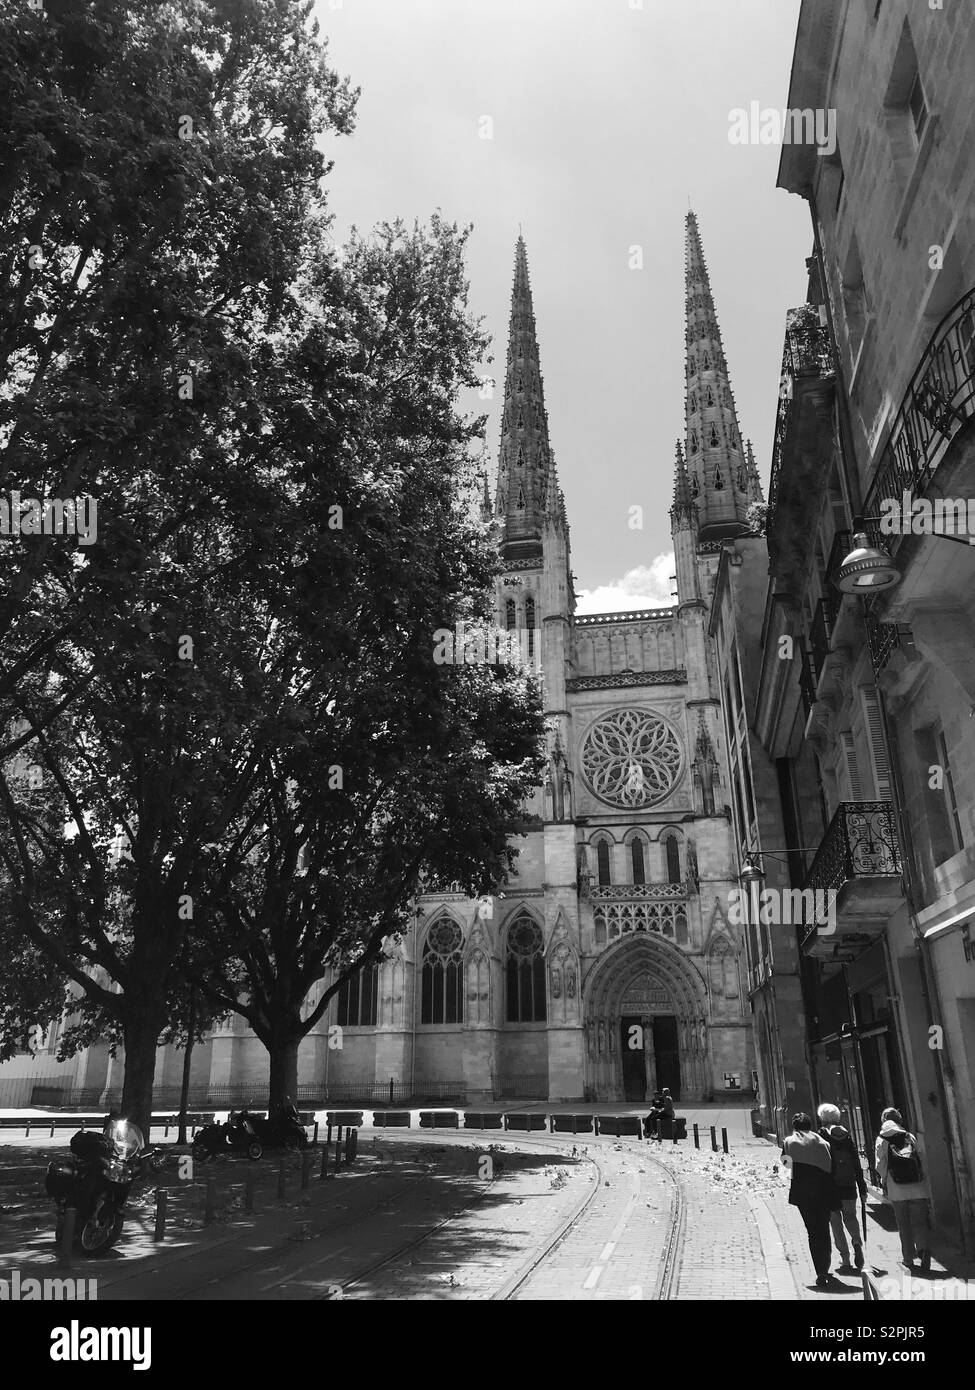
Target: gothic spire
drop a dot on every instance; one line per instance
(486, 511)
(683, 512)
(715, 458)
(527, 492)
(755, 493)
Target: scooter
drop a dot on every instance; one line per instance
(218, 1140)
(95, 1181)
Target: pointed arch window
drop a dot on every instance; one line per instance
(521, 385)
(692, 401)
(521, 420)
(692, 445)
(530, 624)
(713, 439)
(442, 990)
(510, 617)
(639, 868)
(710, 396)
(520, 504)
(705, 363)
(525, 972)
(602, 864)
(695, 486)
(673, 859)
(357, 999)
(521, 457)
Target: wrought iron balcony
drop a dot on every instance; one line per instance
(938, 403)
(821, 632)
(858, 861)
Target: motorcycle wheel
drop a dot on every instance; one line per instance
(99, 1231)
(255, 1150)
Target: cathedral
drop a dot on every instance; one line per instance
(608, 966)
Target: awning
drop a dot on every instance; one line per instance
(959, 919)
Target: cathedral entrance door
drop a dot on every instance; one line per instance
(633, 1058)
(667, 1055)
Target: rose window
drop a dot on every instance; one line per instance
(631, 758)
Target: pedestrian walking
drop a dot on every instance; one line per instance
(665, 1125)
(900, 1167)
(849, 1184)
(811, 1190)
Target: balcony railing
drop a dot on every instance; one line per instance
(806, 353)
(633, 892)
(939, 401)
(821, 631)
(859, 862)
(808, 679)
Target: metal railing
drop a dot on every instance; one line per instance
(861, 842)
(525, 1086)
(938, 402)
(806, 353)
(821, 632)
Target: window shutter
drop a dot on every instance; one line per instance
(852, 769)
(878, 750)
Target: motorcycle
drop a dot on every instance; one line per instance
(217, 1140)
(251, 1134)
(95, 1181)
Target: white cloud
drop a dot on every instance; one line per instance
(646, 586)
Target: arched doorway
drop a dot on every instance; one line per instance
(646, 1023)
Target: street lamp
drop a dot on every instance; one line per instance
(867, 568)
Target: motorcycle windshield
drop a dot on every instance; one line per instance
(127, 1138)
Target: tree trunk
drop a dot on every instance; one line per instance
(184, 1094)
(284, 1070)
(141, 1033)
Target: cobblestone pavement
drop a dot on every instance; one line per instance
(469, 1216)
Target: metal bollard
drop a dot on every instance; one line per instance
(210, 1208)
(27, 1130)
(724, 1140)
(305, 1170)
(315, 1139)
(351, 1142)
(66, 1243)
(162, 1200)
(52, 1129)
(697, 1138)
(338, 1154)
(249, 1182)
(282, 1180)
(323, 1170)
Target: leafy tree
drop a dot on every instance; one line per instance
(141, 347)
(405, 766)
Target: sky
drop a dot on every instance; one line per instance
(606, 120)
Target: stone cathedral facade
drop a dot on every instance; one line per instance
(610, 965)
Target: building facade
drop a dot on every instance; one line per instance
(873, 715)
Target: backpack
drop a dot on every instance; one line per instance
(846, 1165)
(904, 1161)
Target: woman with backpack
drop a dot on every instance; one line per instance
(847, 1173)
(901, 1171)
